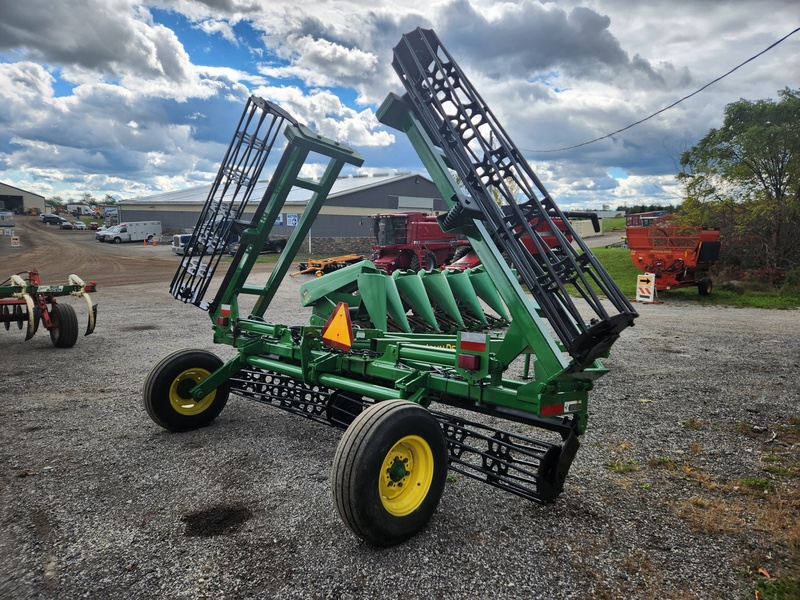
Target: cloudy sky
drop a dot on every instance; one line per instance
(133, 98)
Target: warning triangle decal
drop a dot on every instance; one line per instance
(338, 331)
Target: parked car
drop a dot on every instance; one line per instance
(65, 225)
(79, 225)
(269, 247)
(51, 219)
(100, 234)
(93, 226)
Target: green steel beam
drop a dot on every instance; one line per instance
(531, 328)
(301, 142)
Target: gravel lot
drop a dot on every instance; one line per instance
(96, 501)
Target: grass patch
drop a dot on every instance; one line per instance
(693, 424)
(622, 466)
(613, 224)
(779, 589)
(756, 484)
(617, 262)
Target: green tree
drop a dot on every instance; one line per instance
(745, 179)
(54, 201)
(109, 199)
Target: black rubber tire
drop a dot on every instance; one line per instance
(64, 326)
(430, 261)
(117, 240)
(705, 286)
(361, 470)
(164, 391)
(460, 253)
(414, 264)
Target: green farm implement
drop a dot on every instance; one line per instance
(24, 301)
(399, 360)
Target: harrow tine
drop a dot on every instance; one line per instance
(463, 290)
(33, 318)
(92, 316)
(75, 280)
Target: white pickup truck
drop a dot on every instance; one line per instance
(135, 231)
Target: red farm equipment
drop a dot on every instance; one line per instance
(678, 255)
(412, 241)
(27, 303)
(466, 258)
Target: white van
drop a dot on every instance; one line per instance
(135, 231)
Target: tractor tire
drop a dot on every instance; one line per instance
(430, 261)
(460, 253)
(705, 286)
(64, 326)
(389, 472)
(414, 264)
(166, 391)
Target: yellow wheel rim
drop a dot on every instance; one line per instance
(179, 397)
(406, 476)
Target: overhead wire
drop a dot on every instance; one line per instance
(666, 108)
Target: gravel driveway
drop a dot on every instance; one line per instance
(663, 499)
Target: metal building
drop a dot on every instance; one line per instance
(346, 213)
(19, 201)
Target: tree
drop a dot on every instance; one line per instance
(745, 179)
(109, 199)
(54, 201)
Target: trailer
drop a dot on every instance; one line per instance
(320, 266)
(24, 301)
(678, 255)
(400, 395)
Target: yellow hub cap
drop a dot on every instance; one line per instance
(179, 397)
(406, 476)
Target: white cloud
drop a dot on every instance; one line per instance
(324, 112)
(555, 74)
(320, 63)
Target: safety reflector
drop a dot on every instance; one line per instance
(338, 331)
(224, 315)
(473, 342)
(469, 362)
(552, 410)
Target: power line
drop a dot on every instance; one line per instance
(658, 112)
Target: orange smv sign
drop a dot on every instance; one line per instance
(338, 331)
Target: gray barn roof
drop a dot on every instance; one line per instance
(343, 185)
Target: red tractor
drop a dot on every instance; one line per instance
(412, 241)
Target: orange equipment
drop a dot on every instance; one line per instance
(679, 256)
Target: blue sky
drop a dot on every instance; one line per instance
(133, 98)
